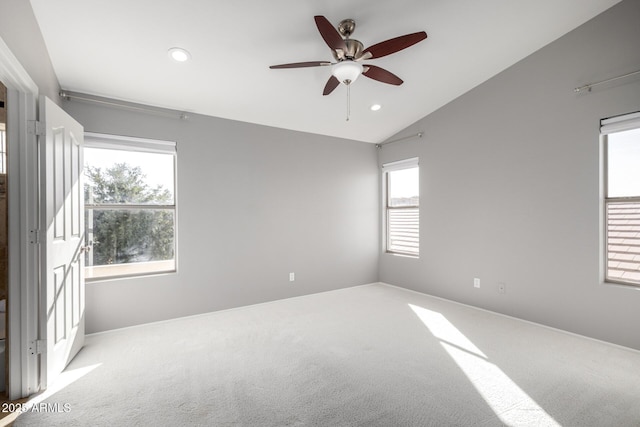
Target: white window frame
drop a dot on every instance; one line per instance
(391, 167)
(134, 144)
(3, 149)
(607, 127)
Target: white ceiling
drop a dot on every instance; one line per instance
(118, 49)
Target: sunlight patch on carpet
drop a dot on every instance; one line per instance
(65, 379)
(508, 401)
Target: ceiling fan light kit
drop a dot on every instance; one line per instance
(347, 71)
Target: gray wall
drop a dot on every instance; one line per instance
(254, 203)
(510, 179)
(510, 187)
(21, 33)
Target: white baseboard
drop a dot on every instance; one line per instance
(242, 307)
(516, 318)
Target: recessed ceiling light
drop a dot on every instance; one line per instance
(178, 54)
(376, 107)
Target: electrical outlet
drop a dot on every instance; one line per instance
(292, 277)
(476, 282)
(502, 288)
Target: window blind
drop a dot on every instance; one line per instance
(620, 123)
(116, 142)
(401, 164)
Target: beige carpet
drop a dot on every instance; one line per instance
(372, 355)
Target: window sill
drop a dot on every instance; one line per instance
(624, 285)
(401, 255)
(118, 271)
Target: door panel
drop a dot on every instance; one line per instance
(63, 289)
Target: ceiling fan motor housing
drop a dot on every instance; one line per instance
(353, 51)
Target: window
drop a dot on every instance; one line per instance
(130, 206)
(402, 211)
(622, 198)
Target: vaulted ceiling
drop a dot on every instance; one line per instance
(118, 49)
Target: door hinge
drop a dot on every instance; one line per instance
(37, 347)
(34, 237)
(36, 128)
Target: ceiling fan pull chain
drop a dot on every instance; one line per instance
(348, 101)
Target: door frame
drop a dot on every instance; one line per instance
(23, 217)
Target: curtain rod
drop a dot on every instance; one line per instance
(588, 86)
(71, 96)
(404, 138)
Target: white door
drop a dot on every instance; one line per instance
(62, 288)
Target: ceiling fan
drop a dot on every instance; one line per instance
(349, 54)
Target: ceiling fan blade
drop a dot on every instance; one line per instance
(394, 45)
(332, 83)
(381, 75)
(331, 36)
(301, 65)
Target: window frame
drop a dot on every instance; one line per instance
(387, 168)
(608, 127)
(141, 145)
(3, 148)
